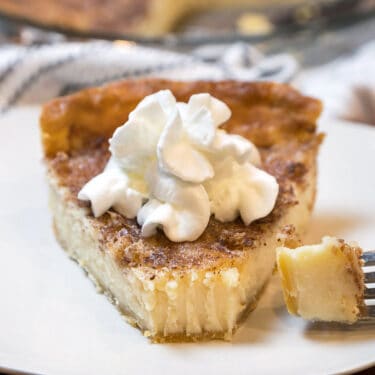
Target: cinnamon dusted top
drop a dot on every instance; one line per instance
(220, 242)
(280, 121)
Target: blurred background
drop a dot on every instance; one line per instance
(315, 31)
(323, 47)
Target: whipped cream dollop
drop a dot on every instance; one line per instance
(172, 167)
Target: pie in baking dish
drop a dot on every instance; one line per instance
(143, 17)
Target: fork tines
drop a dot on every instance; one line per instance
(369, 277)
(369, 295)
(369, 258)
(370, 311)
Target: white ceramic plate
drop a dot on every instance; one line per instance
(52, 321)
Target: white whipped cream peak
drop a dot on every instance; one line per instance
(182, 209)
(241, 189)
(112, 189)
(172, 167)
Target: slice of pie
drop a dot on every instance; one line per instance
(324, 281)
(179, 291)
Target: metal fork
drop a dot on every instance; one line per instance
(368, 258)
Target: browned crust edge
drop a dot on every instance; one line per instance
(353, 254)
(70, 123)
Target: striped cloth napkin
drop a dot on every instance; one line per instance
(34, 74)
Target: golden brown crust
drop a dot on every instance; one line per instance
(266, 113)
(277, 118)
(353, 254)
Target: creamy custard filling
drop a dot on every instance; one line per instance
(323, 281)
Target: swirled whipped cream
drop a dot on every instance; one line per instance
(172, 167)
